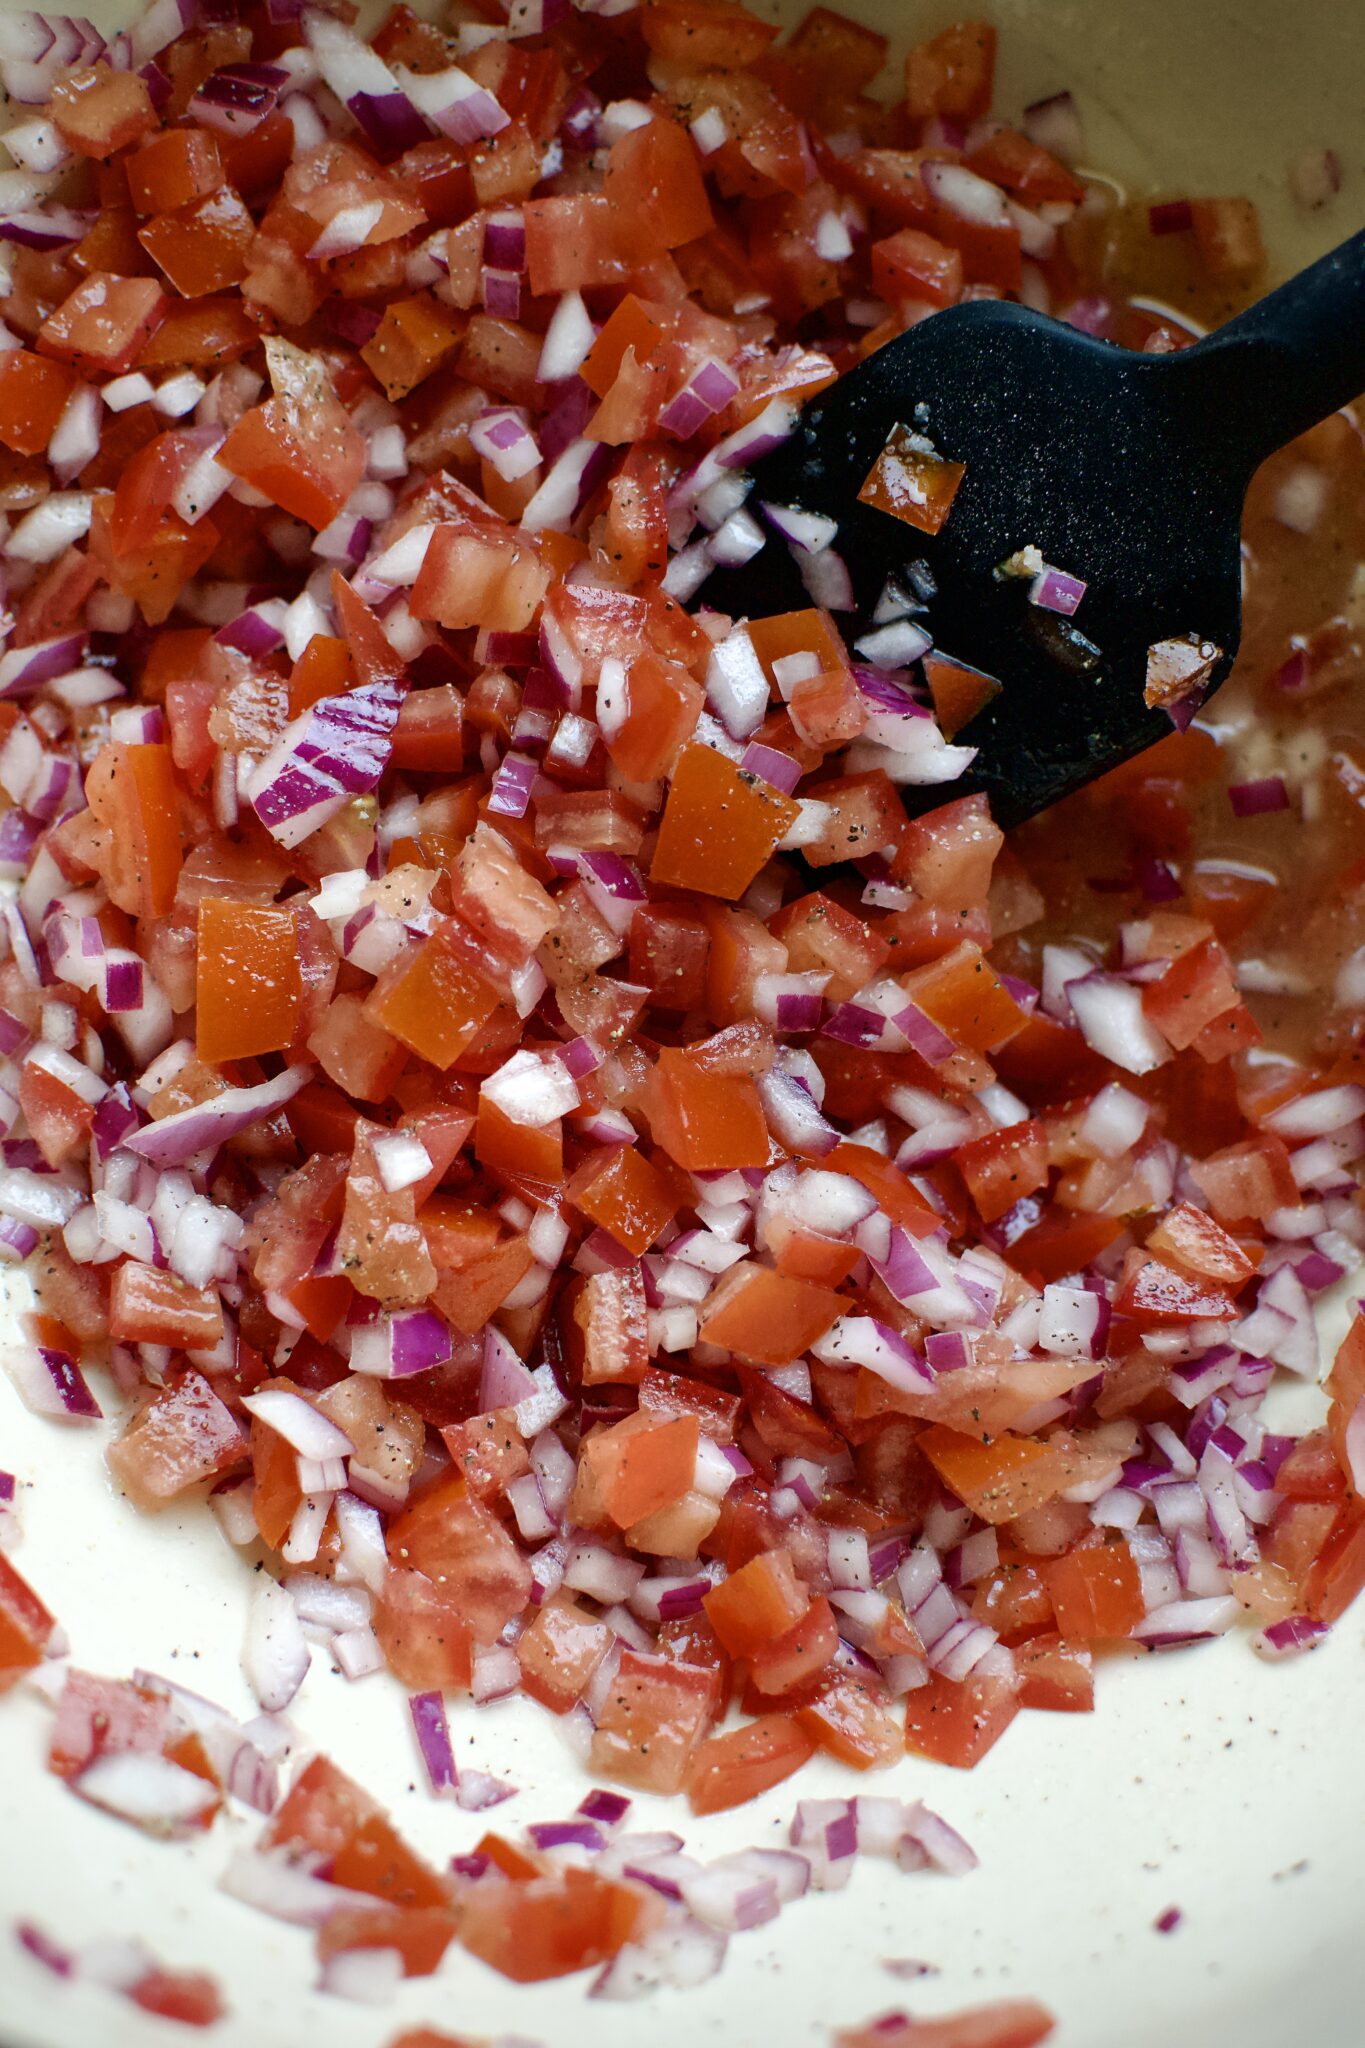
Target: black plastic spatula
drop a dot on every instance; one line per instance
(1126, 471)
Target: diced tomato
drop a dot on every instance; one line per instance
(25, 1626)
(767, 1318)
(910, 484)
(414, 337)
(758, 1604)
(1227, 234)
(249, 989)
(1096, 1593)
(328, 1813)
(1153, 1294)
(466, 1553)
(420, 1934)
(958, 1724)
(997, 1480)
(190, 1996)
(1055, 1677)
(705, 1121)
(627, 1473)
(185, 1434)
(912, 265)
(560, 1651)
(654, 1715)
(1013, 2023)
(549, 1926)
(105, 322)
(952, 74)
(33, 394)
(98, 110)
(729, 1769)
(432, 1000)
(1003, 1166)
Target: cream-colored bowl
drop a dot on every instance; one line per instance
(1205, 1780)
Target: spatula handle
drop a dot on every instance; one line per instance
(1291, 359)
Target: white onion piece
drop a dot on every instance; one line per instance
(276, 1657)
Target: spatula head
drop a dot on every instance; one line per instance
(1107, 461)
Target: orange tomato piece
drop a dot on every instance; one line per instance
(414, 337)
(643, 1464)
(848, 1714)
(953, 73)
(327, 1812)
(958, 691)
(997, 1480)
(663, 705)
(1096, 1593)
(190, 1996)
(465, 1551)
(654, 1715)
(767, 1317)
(705, 1121)
(426, 1640)
(1012, 2023)
(1003, 1166)
(431, 1000)
(25, 1626)
(758, 1604)
(913, 265)
(1227, 234)
(622, 1192)
(729, 1769)
(202, 247)
(185, 1434)
(719, 826)
(654, 181)
(98, 110)
(420, 1934)
(301, 450)
(1055, 1677)
(550, 1926)
(911, 482)
(958, 1724)
(33, 395)
(560, 1651)
(964, 997)
(173, 168)
(610, 1313)
(248, 987)
(503, 1146)
(105, 323)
